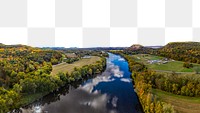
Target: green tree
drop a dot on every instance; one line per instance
(17, 88)
(28, 85)
(90, 72)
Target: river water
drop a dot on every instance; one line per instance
(110, 92)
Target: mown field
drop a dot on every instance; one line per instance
(176, 66)
(182, 104)
(65, 67)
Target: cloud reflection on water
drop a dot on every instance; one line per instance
(86, 98)
(125, 80)
(114, 70)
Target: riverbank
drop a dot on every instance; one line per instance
(76, 75)
(28, 99)
(179, 91)
(143, 87)
(108, 92)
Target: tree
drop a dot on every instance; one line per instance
(183, 90)
(54, 61)
(174, 88)
(31, 67)
(28, 85)
(13, 74)
(63, 77)
(76, 75)
(21, 75)
(17, 88)
(90, 72)
(168, 108)
(158, 107)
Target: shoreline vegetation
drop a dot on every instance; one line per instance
(99, 67)
(150, 103)
(166, 79)
(77, 74)
(25, 72)
(164, 92)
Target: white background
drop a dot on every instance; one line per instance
(122, 18)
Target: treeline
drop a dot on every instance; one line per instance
(71, 60)
(186, 85)
(143, 87)
(84, 52)
(80, 53)
(181, 51)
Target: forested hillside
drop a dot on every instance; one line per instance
(182, 51)
(24, 69)
(138, 49)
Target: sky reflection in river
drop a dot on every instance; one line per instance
(110, 92)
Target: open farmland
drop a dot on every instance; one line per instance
(65, 67)
(169, 65)
(182, 104)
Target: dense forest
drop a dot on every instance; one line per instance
(25, 71)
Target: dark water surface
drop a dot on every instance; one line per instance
(110, 92)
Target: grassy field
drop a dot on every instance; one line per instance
(176, 66)
(71, 55)
(182, 104)
(65, 67)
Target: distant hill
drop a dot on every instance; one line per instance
(14, 46)
(135, 47)
(182, 51)
(186, 45)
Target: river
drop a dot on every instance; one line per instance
(110, 92)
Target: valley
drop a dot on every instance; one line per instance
(135, 79)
